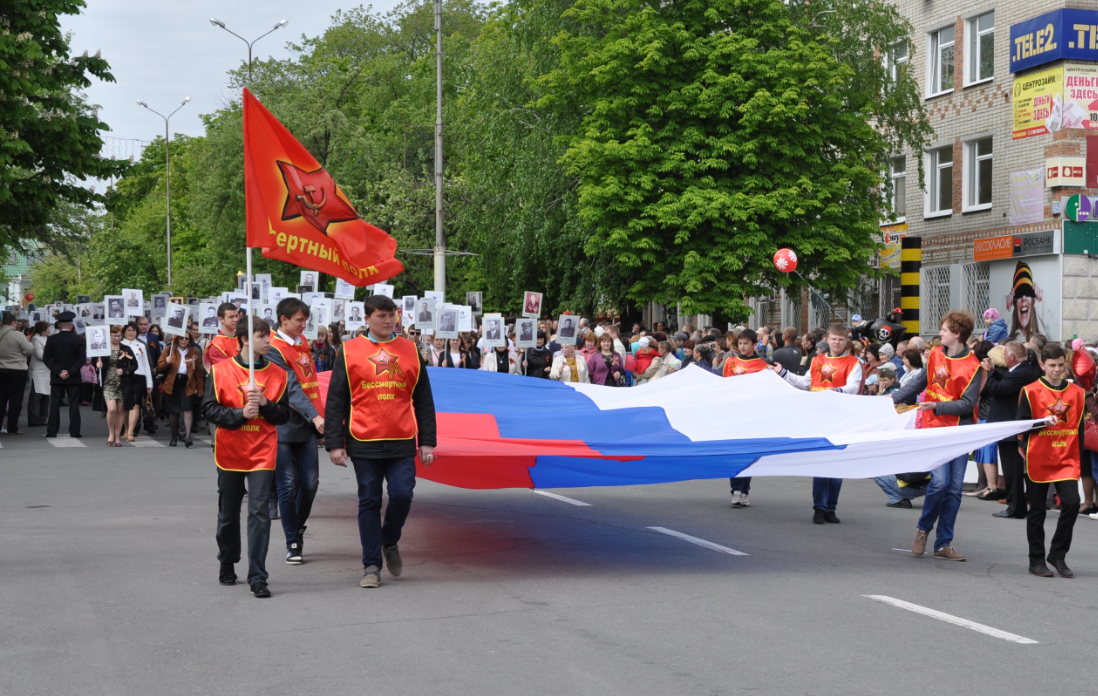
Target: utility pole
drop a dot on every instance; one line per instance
(440, 236)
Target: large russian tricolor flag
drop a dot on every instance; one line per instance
(506, 431)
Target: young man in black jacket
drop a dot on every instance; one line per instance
(64, 356)
(1003, 386)
(379, 415)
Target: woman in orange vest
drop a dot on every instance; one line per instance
(1053, 454)
(840, 371)
(245, 447)
(380, 414)
(745, 362)
(952, 381)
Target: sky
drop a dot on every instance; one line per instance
(161, 51)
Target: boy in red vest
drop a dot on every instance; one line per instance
(952, 381)
(223, 345)
(744, 363)
(839, 371)
(1053, 455)
(380, 414)
(245, 448)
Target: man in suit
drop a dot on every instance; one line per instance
(1002, 389)
(64, 356)
(493, 329)
(424, 315)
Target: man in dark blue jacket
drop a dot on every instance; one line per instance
(64, 355)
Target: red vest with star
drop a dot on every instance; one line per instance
(831, 373)
(1052, 453)
(946, 380)
(737, 365)
(382, 377)
(254, 446)
(300, 359)
(221, 347)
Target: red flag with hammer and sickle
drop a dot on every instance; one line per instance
(297, 213)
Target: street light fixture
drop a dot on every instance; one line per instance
(218, 23)
(167, 174)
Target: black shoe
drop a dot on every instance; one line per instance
(1008, 514)
(1061, 568)
(818, 517)
(77, 436)
(173, 442)
(48, 435)
(188, 443)
(1089, 510)
(994, 494)
(293, 553)
(261, 590)
(228, 574)
(830, 517)
(1040, 570)
(902, 503)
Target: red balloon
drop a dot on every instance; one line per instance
(29, 297)
(1083, 367)
(785, 260)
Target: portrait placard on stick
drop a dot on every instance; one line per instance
(425, 313)
(494, 333)
(135, 302)
(97, 341)
(207, 322)
(175, 320)
(531, 304)
(447, 323)
(475, 300)
(526, 333)
(344, 290)
(356, 318)
(116, 311)
(567, 325)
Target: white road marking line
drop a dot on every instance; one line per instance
(65, 441)
(699, 542)
(146, 443)
(949, 618)
(902, 550)
(563, 499)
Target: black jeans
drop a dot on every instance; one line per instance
(57, 391)
(400, 474)
(12, 385)
(1035, 522)
(230, 493)
(1014, 474)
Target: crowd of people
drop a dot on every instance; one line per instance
(957, 378)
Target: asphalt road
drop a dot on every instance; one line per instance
(109, 586)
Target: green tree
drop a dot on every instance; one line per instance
(49, 135)
(715, 132)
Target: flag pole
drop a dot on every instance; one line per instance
(251, 326)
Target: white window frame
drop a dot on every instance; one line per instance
(893, 61)
(901, 177)
(972, 48)
(932, 168)
(933, 56)
(970, 171)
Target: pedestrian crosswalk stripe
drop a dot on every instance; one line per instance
(65, 441)
(146, 443)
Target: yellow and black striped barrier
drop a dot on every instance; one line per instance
(911, 264)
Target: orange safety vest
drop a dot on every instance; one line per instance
(300, 359)
(946, 380)
(1052, 453)
(832, 372)
(221, 347)
(737, 365)
(382, 377)
(254, 446)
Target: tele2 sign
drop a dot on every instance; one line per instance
(1060, 34)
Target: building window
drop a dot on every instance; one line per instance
(898, 174)
(934, 297)
(897, 60)
(941, 61)
(978, 168)
(976, 292)
(981, 48)
(940, 198)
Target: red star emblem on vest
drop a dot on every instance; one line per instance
(243, 388)
(738, 369)
(941, 377)
(314, 197)
(1060, 410)
(305, 364)
(387, 363)
(827, 372)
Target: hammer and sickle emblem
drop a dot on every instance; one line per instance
(308, 200)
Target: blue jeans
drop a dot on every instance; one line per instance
(741, 484)
(401, 477)
(943, 500)
(825, 493)
(297, 473)
(891, 486)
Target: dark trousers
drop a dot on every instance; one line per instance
(1014, 473)
(401, 477)
(740, 484)
(38, 407)
(230, 493)
(12, 385)
(57, 392)
(298, 476)
(1035, 521)
(825, 493)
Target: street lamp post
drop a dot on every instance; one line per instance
(251, 332)
(167, 175)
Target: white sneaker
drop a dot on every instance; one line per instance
(736, 498)
(744, 502)
(1093, 516)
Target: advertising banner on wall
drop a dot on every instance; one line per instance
(1027, 293)
(891, 236)
(1038, 103)
(1061, 34)
(1027, 196)
(1081, 96)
